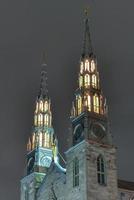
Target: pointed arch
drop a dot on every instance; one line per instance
(87, 80)
(46, 106)
(96, 103)
(101, 170)
(41, 106)
(35, 120)
(81, 68)
(46, 119)
(75, 172)
(86, 65)
(40, 139)
(94, 81)
(92, 65)
(80, 81)
(89, 102)
(79, 104)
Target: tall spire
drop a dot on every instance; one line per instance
(87, 44)
(43, 92)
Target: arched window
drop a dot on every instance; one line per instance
(101, 105)
(94, 81)
(33, 141)
(40, 119)
(47, 139)
(79, 104)
(41, 106)
(75, 172)
(35, 120)
(81, 68)
(96, 103)
(40, 139)
(46, 119)
(87, 65)
(101, 174)
(87, 80)
(45, 106)
(36, 110)
(80, 81)
(92, 66)
(89, 102)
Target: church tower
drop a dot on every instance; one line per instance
(42, 144)
(91, 158)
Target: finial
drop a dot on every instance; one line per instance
(87, 45)
(43, 83)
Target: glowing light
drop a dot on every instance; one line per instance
(87, 80)
(81, 68)
(87, 65)
(80, 81)
(96, 103)
(94, 81)
(92, 66)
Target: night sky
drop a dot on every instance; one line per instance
(29, 27)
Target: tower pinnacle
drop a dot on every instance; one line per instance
(43, 92)
(87, 44)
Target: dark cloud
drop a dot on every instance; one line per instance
(29, 26)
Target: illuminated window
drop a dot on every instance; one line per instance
(87, 80)
(101, 171)
(35, 120)
(96, 103)
(92, 66)
(41, 106)
(33, 140)
(94, 81)
(36, 107)
(40, 119)
(45, 106)
(80, 81)
(75, 172)
(46, 119)
(87, 65)
(89, 102)
(79, 104)
(40, 139)
(81, 68)
(47, 139)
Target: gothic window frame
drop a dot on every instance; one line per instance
(75, 172)
(87, 80)
(96, 103)
(101, 170)
(87, 67)
(94, 81)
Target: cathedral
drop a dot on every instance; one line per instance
(90, 170)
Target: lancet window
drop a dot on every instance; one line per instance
(94, 81)
(96, 103)
(101, 172)
(75, 172)
(87, 80)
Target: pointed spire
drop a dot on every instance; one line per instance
(87, 45)
(43, 92)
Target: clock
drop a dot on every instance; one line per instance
(45, 161)
(78, 133)
(98, 131)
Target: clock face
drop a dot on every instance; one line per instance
(45, 161)
(78, 132)
(98, 131)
